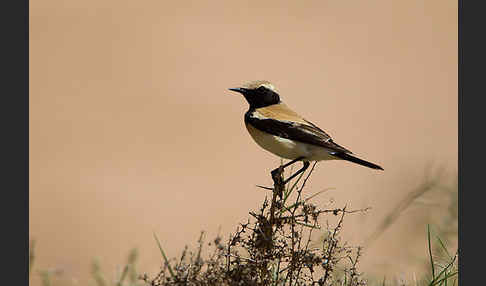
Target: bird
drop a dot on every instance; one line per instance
(280, 130)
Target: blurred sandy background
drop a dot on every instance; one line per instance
(133, 130)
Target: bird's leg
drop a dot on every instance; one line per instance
(281, 168)
(278, 171)
(306, 165)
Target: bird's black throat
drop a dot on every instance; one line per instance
(260, 97)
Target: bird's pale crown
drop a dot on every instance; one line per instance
(258, 83)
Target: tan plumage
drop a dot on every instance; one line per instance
(281, 112)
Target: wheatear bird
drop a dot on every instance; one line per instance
(283, 132)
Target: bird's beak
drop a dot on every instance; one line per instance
(239, 90)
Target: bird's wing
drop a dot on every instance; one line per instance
(281, 112)
(281, 121)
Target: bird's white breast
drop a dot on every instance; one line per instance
(286, 148)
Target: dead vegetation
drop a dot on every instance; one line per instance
(273, 247)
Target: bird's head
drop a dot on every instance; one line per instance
(259, 93)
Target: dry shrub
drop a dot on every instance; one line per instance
(272, 248)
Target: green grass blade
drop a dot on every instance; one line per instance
(443, 247)
(45, 277)
(97, 275)
(132, 271)
(289, 191)
(165, 257)
(31, 256)
(318, 193)
(444, 272)
(122, 276)
(430, 252)
(444, 279)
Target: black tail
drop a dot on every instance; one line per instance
(347, 157)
